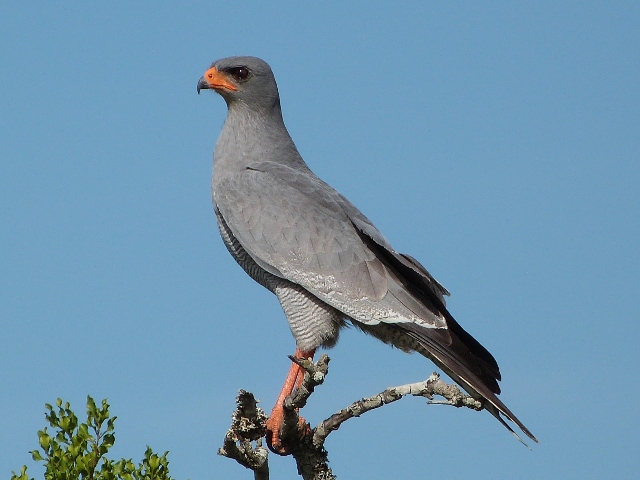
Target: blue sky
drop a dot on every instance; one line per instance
(497, 143)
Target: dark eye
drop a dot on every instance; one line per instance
(239, 73)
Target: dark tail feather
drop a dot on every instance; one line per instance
(494, 411)
(469, 371)
(460, 355)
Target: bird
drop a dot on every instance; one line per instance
(325, 261)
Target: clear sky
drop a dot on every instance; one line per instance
(497, 143)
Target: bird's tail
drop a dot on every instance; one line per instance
(469, 364)
(460, 355)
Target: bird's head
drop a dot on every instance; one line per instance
(247, 80)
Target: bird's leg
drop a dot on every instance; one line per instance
(274, 423)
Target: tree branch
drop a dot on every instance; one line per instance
(428, 388)
(247, 426)
(306, 445)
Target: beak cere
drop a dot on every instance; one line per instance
(213, 79)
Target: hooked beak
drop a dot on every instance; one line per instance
(202, 84)
(213, 79)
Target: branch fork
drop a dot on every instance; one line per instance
(243, 441)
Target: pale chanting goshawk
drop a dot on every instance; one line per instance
(323, 259)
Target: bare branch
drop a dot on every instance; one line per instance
(314, 376)
(427, 388)
(306, 445)
(247, 426)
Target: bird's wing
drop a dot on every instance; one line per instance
(364, 225)
(297, 227)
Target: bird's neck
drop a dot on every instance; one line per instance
(254, 135)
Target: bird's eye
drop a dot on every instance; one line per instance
(239, 73)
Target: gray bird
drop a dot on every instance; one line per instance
(323, 259)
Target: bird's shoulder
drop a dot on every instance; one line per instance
(297, 179)
(290, 217)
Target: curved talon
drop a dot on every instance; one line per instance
(274, 427)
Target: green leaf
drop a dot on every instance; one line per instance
(22, 476)
(44, 439)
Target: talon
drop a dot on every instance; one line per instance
(274, 427)
(274, 424)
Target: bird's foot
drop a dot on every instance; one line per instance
(277, 438)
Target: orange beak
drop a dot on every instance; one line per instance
(215, 80)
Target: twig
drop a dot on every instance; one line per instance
(427, 388)
(247, 426)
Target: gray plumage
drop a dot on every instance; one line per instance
(322, 258)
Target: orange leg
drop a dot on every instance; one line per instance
(274, 423)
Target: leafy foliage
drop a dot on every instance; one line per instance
(74, 451)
